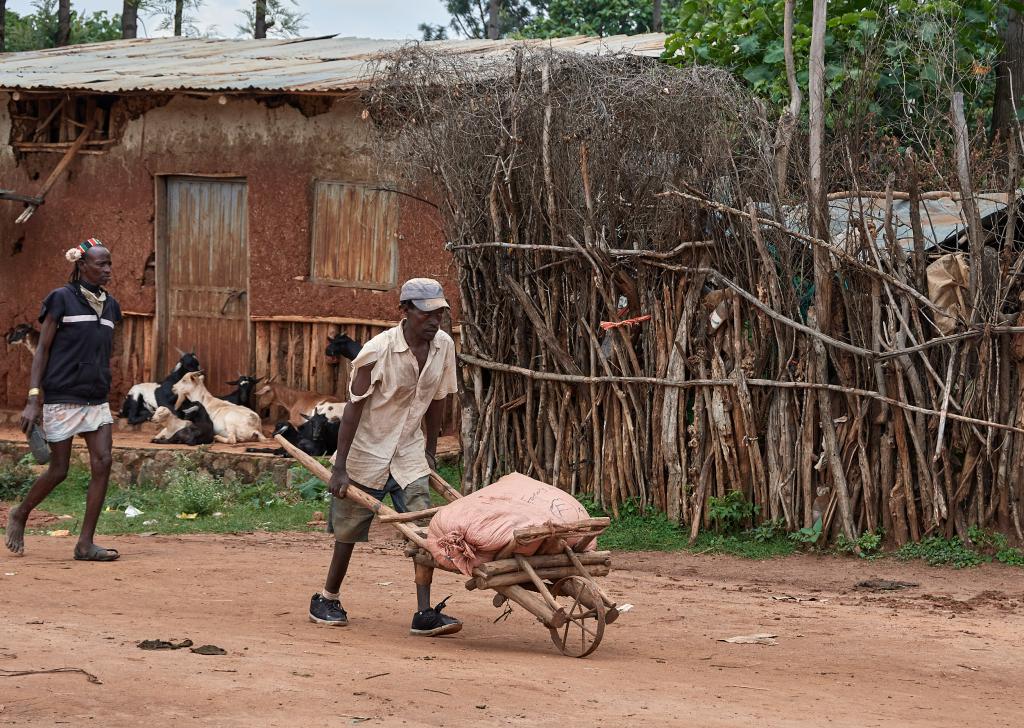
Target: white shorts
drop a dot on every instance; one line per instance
(64, 421)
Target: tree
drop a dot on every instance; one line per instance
(63, 23)
(1007, 100)
(560, 18)
(482, 18)
(3, 25)
(175, 15)
(894, 35)
(260, 22)
(38, 29)
(130, 19)
(283, 20)
(656, 23)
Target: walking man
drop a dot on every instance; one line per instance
(401, 379)
(72, 367)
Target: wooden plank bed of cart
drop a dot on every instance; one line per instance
(559, 589)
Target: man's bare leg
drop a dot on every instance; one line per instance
(339, 566)
(100, 444)
(60, 458)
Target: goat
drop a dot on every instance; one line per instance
(140, 403)
(171, 424)
(26, 335)
(341, 345)
(231, 422)
(165, 392)
(332, 410)
(317, 436)
(198, 430)
(245, 387)
(144, 398)
(294, 401)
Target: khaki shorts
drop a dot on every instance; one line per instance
(350, 521)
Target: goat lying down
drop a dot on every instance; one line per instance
(142, 399)
(196, 427)
(232, 423)
(317, 436)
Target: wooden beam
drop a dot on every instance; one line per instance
(58, 171)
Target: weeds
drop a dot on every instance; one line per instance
(938, 551)
(730, 512)
(16, 478)
(867, 545)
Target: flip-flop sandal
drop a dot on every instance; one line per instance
(98, 553)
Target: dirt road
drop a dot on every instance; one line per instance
(947, 653)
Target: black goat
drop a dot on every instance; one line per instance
(187, 363)
(198, 431)
(317, 436)
(340, 345)
(242, 394)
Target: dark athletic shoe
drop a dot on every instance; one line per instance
(431, 623)
(327, 611)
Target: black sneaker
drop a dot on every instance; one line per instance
(431, 623)
(327, 611)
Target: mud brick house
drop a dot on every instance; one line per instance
(235, 184)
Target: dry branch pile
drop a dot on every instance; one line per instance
(578, 191)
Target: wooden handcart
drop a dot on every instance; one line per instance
(559, 589)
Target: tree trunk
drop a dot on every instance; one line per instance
(260, 21)
(179, 10)
(63, 23)
(1009, 77)
(790, 117)
(3, 24)
(656, 18)
(494, 8)
(130, 19)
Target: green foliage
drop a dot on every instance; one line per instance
(867, 545)
(897, 54)
(560, 18)
(996, 545)
(192, 490)
(747, 545)
(730, 512)
(15, 480)
(469, 19)
(768, 531)
(807, 536)
(308, 486)
(634, 530)
(261, 494)
(937, 551)
(36, 30)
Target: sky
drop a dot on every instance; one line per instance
(361, 18)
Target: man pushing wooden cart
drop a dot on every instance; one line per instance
(559, 588)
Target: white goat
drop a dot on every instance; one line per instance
(231, 422)
(166, 419)
(331, 410)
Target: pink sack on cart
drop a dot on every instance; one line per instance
(472, 530)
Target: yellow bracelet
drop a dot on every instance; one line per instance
(34, 392)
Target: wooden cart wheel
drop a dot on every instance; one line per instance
(583, 632)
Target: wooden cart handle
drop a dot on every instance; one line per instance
(352, 493)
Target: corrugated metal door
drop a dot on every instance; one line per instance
(207, 276)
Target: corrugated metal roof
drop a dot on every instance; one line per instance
(273, 65)
(942, 218)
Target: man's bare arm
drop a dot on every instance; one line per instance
(30, 415)
(346, 433)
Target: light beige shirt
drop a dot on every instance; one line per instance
(389, 438)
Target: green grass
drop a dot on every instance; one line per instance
(244, 509)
